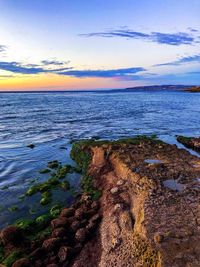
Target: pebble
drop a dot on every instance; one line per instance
(114, 190)
(120, 182)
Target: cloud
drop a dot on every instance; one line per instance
(111, 73)
(17, 67)
(2, 48)
(176, 39)
(54, 62)
(182, 60)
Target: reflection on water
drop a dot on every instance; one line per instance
(51, 120)
(173, 185)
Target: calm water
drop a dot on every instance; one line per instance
(51, 120)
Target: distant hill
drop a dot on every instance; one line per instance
(193, 89)
(157, 87)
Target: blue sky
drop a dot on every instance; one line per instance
(65, 44)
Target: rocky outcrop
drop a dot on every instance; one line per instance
(149, 205)
(190, 142)
(193, 89)
(139, 208)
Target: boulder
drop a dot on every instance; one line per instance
(59, 232)
(81, 234)
(51, 243)
(59, 222)
(75, 225)
(67, 212)
(12, 235)
(37, 253)
(64, 253)
(22, 263)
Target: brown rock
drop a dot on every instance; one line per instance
(59, 222)
(95, 218)
(95, 205)
(158, 238)
(79, 213)
(75, 225)
(38, 263)
(59, 232)
(90, 213)
(114, 190)
(37, 253)
(52, 265)
(67, 212)
(22, 263)
(91, 226)
(81, 234)
(64, 253)
(50, 244)
(12, 235)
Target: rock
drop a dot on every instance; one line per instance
(64, 253)
(91, 226)
(12, 235)
(120, 182)
(76, 249)
(59, 232)
(52, 265)
(114, 190)
(95, 218)
(22, 263)
(126, 221)
(59, 222)
(38, 263)
(79, 213)
(116, 242)
(50, 244)
(118, 207)
(90, 213)
(81, 234)
(95, 205)
(67, 212)
(37, 253)
(75, 225)
(158, 238)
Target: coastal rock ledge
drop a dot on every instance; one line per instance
(139, 208)
(149, 205)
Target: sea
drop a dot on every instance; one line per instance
(53, 120)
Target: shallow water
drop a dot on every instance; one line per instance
(51, 120)
(173, 185)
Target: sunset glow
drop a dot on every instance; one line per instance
(57, 45)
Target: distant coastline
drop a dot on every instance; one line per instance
(120, 90)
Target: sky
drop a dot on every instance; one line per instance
(89, 44)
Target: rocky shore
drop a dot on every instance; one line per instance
(139, 207)
(193, 89)
(190, 142)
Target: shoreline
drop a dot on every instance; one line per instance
(116, 216)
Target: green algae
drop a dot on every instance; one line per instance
(14, 256)
(43, 219)
(83, 158)
(52, 183)
(13, 208)
(44, 171)
(54, 164)
(65, 185)
(25, 224)
(46, 198)
(55, 210)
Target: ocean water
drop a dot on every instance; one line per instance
(52, 120)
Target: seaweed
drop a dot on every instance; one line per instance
(13, 208)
